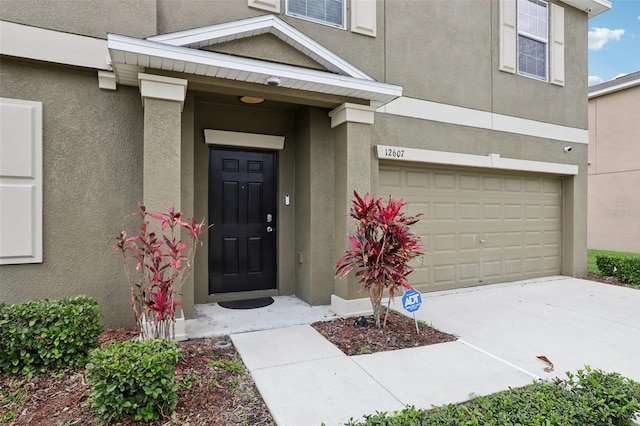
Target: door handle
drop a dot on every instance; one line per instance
(269, 229)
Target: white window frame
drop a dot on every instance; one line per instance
(534, 37)
(320, 21)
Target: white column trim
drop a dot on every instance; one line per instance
(450, 114)
(491, 161)
(161, 87)
(352, 113)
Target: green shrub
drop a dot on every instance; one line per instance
(134, 379)
(629, 270)
(43, 334)
(590, 398)
(607, 264)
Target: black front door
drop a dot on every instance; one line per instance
(242, 208)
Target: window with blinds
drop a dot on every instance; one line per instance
(328, 12)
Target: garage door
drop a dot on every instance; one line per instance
(479, 227)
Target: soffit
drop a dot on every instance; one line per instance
(181, 52)
(592, 7)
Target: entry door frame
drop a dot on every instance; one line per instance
(243, 244)
(248, 142)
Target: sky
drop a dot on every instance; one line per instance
(614, 42)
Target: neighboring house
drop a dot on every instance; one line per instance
(614, 165)
(462, 108)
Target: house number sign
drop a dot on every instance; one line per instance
(394, 153)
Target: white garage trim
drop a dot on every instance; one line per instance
(491, 161)
(434, 111)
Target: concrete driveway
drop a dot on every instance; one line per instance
(305, 380)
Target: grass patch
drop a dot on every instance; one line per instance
(592, 268)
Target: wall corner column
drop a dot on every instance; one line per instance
(352, 154)
(163, 101)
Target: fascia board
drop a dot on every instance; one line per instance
(130, 45)
(212, 34)
(41, 44)
(616, 88)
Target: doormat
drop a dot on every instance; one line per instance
(248, 303)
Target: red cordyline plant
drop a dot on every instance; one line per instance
(162, 263)
(381, 248)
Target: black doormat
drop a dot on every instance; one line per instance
(247, 303)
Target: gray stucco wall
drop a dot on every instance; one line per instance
(92, 143)
(94, 18)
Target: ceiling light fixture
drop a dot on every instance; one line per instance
(251, 100)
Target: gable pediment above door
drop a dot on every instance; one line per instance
(228, 51)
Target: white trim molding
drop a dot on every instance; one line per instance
(352, 113)
(107, 80)
(491, 161)
(23, 41)
(161, 87)
(266, 24)
(244, 140)
(450, 114)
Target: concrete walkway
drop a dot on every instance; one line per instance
(305, 380)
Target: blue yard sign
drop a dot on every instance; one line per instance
(411, 300)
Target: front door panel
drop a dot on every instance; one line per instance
(242, 208)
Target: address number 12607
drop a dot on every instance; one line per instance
(394, 153)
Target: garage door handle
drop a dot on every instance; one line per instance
(481, 241)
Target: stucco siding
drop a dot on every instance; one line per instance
(441, 51)
(614, 171)
(525, 97)
(92, 142)
(93, 18)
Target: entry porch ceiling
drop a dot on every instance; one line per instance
(178, 52)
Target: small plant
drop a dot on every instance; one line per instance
(44, 334)
(381, 248)
(163, 263)
(226, 365)
(365, 350)
(134, 379)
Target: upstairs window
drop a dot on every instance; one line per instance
(533, 37)
(328, 12)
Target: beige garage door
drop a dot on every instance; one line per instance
(479, 227)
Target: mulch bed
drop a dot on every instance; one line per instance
(399, 333)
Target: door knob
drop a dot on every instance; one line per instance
(269, 229)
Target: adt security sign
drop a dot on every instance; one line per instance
(411, 300)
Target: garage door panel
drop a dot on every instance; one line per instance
(517, 217)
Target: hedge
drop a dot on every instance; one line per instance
(627, 269)
(43, 334)
(589, 398)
